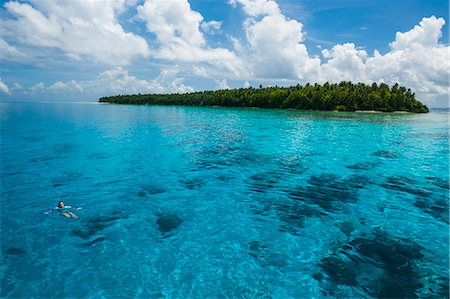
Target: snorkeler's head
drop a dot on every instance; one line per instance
(61, 204)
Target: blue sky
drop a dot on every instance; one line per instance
(77, 50)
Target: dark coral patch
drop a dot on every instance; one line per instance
(385, 154)
(405, 184)
(193, 183)
(431, 201)
(329, 190)
(396, 286)
(150, 189)
(436, 206)
(142, 193)
(318, 276)
(15, 251)
(393, 253)
(362, 166)
(339, 271)
(391, 263)
(293, 215)
(262, 182)
(346, 227)
(94, 242)
(66, 179)
(357, 181)
(167, 222)
(95, 225)
(438, 182)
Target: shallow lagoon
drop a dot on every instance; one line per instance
(216, 202)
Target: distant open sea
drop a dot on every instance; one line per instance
(186, 202)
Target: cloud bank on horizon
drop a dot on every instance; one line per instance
(178, 44)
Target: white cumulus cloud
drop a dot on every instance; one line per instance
(222, 84)
(70, 85)
(273, 48)
(211, 27)
(179, 38)
(8, 52)
(118, 81)
(17, 86)
(426, 34)
(38, 86)
(173, 22)
(77, 28)
(4, 87)
(254, 8)
(344, 63)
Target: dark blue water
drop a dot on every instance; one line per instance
(182, 202)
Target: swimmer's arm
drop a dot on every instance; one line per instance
(51, 210)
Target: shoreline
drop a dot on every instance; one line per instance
(376, 111)
(288, 109)
(369, 111)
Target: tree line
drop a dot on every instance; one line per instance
(344, 96)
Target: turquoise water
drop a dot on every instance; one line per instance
(185, 202)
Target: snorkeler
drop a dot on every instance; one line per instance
(63, 210)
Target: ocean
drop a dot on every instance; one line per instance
(196, 202)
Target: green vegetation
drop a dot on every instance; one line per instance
(344, 96)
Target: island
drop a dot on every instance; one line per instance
(345, 96)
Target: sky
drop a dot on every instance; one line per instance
(80, 50)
